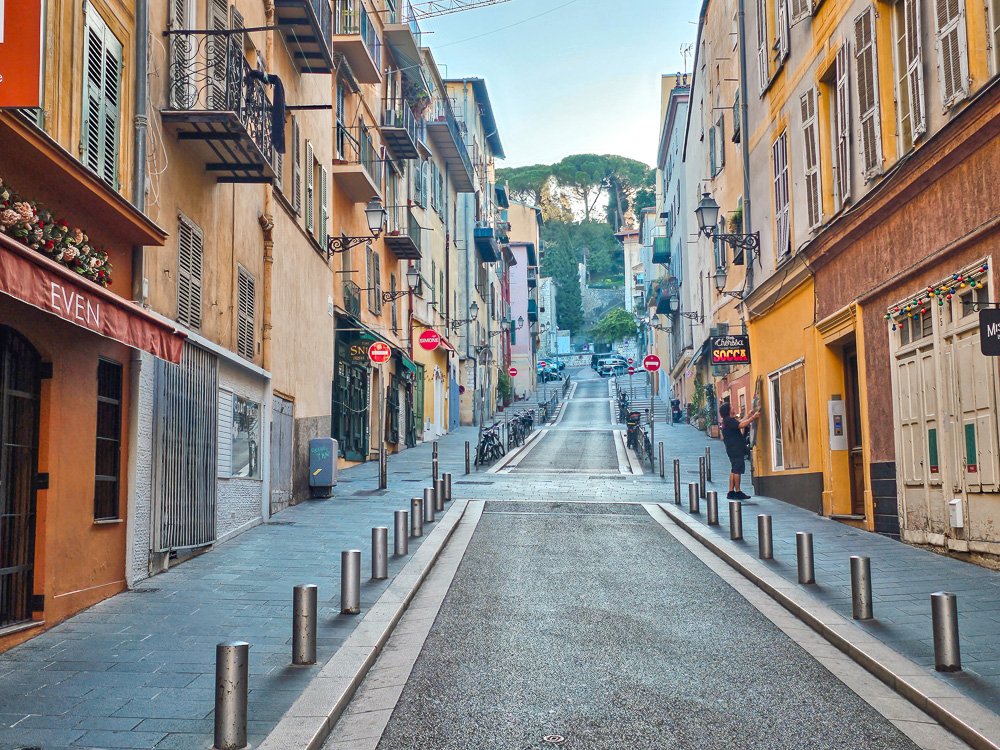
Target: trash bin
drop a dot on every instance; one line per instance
(322, 467)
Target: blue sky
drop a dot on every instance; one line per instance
(582, 78)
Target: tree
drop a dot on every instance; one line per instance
(526, 184)
(560, 263)
(625, 178)
(584, 175)
(616, 324)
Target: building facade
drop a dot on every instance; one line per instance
(525, 243)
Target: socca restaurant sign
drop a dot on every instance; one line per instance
(20, 53)
(731, 350)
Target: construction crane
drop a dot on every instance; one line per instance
(432, 8)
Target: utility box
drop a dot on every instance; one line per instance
(322, 466)
(955, 513)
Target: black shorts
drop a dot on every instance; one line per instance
(737, 459)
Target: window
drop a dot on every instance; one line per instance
(310, 189)
(800, 9)
(189, 271)
(712, 158)
(322, 198)
(417, 173)
(296, 167)
(810, 150)
(993, 34)
(719, 245)
(341, 122)
(246, 339)
(782, 33)
(107, 463)
(377, 277)
(866, 59)
(102, 55)
(370, 276)
(909, 72)
(779, 153)
(953, 55)
(245, 431)
(763, 74)
(842, 127)
(789, 433)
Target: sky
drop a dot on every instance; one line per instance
(572, 76)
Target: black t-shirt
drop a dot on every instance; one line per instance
(732, 435)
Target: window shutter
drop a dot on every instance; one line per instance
(310, 187)
(225, 441)
(296, 167)
(811, 151)
(800, 9)
(783, 32)
(993, 35)
(99, 131)
(763, 74)
(781, 213)
(324, 211)
(378, 282)
(370, 286)
(190, 258)
(953, 56)
(218, 52)
(915, 68)
(843, 122)
(720, 131)
(246, 339)
(395, 312)
(868, 99)
(711, 152)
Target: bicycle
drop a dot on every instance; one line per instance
(490, 447)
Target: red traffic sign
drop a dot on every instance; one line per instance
(651, 363)
(379, 353)
(542, 363)
(631, 370)
(429, 340)
(631, 361)
(512, 372)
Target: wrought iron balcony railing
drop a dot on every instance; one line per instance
(351, 19)
(357, 167)
(402, 234)
(400, 13)
(307, 25)
(443, 115)
(399, 129)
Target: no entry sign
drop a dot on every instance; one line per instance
(512, 372)
(651, 363)
(631, 370)
(542, 363)
(631, 361)
(429, 340)
(379, 353)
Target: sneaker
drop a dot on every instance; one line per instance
(740, 496)
(731, 495)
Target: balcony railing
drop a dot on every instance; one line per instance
(308, 25)
(215, 98)
(399, 129)
(402, 235)
(442, 117)
(352, 298)
(357, 168)
(404, 15)
(351, 20)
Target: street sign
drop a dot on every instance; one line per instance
(651, 363)
(989, 332)
(542, 363)
(512, 372)
(631, 370)
(379, 353)
(631, 361)
(429, 340)
(731, 350)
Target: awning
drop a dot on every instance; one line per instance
(445, 344)
(30, 277)
(406, 362)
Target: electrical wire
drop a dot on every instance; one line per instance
(508, 26)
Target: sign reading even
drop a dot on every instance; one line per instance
(429, 340)
(379, 353)
(989, 332)
(731, 350)
(651, 363)
(20, 53)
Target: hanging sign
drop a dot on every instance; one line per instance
(731, 350)
(512, 372)
(20, 53)
(379, 353)
(429, 340)
(989, 332)
(651, 363)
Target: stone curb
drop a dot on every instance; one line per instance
(307, 724)
(963, 716)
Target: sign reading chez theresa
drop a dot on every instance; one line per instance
(989, 332)
(730, 350)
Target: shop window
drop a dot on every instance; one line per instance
(243, 423)
(789, 433)
(107, 465)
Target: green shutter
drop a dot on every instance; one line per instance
(102, 58)
(932, 450)
(971, 458)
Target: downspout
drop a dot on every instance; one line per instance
(267, 219)
(141, 123)
(745, 136)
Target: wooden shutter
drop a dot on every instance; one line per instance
(794, 429)
(779, 153)
(218, 52)
(296, 167)
(843, 124)
(866, 60)
(763, 73)
(800, 9)
(810, 138)
(102, 57)
(310, 188)
(190, 259)
(246, 340)
(370, 277)
(915, 68)
(720, 132)
(953, 55)
(783, 32)
(993, 35)
(711, 151)
(324, 211)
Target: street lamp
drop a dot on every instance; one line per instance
(520, 322)
(473, 314)
(375, 214)
(412, 280)
(708, 220)
(720, 284)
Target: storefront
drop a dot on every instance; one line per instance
(351, 385)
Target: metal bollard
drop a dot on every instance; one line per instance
(439, 492)
(416, 517)
(304, 624)
(430, 505)
(701, 476)
(447, 487)
(713, 507)
(383, 469)
(944, 619)
(692, 497)
(677, 481)
(735, 520)
(350, 581)
(434, 449)
(400, 532)
(708, 464)
(861, 587)
(380, 553)
(232, 678)
(804, 552)
(663, 468)
(765, 544)
(468, 466)
(434, 469)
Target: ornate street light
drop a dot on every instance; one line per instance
(708, 221)
(375, 214)
(473, 314)
(520, 322)
(720, 284)
(412, 280)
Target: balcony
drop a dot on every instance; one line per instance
(215, 104)
(486, 243)
(352, 298)
(532, 277)
(663, 303)
(358, 171)
(307, 25)
(532, 311)
(402, 235)
(403, 37)
(448, 135)
(356, 38)
(661, 250)
(399, 129)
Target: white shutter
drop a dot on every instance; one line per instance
(779, 154)
(868, 98)
(324, 211)
(763, 74)
(843, 125)
(182, 89)
(246, 339)
(800, 9)
(953, 55)
(225, 440)
(296, 167)
(190, 259)
(915, 68)
(102, 56)
(783, 31)
(810, 137)
(310, 187)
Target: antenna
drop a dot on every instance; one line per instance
(433, 8)
(686, 51)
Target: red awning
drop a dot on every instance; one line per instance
(30, 277)
(445, 344)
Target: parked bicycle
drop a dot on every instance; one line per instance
(490, 447)
(519, 428)
(637, 437)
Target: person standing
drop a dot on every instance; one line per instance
(736, 448)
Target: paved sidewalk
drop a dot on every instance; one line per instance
(903, 576)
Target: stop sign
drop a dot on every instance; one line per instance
(651, 363)
(512, 372)
(429, 340)
(379, 353)
(631, 370)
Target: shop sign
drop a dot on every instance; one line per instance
(429, 340)
(731, 350)
(989, 332)
(651, 363)
(512, 372)
(379, 353)
(20, 53)
(358, 351)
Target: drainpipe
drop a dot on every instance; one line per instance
(267, 219)
(139, 141)
(745, 137)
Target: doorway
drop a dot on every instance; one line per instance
(20, 388)
(855, 435)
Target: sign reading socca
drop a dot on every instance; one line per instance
(730, 350)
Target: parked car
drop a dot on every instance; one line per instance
(613, 368)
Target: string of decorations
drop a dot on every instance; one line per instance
(921, 304)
